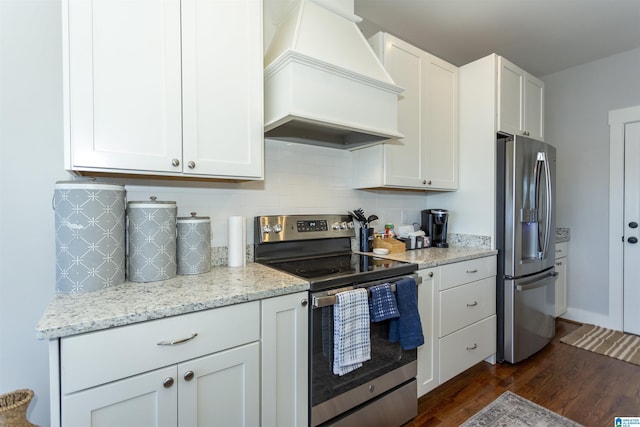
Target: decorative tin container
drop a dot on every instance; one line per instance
(90, 235)
(194, 244)
(151, 227)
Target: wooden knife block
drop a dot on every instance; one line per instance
(392, 244)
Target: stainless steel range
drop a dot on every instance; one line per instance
(383, 392)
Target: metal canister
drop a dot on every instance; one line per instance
(151, 227)
(90, 235)
(194, 244)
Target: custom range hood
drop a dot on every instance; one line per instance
(323, 83)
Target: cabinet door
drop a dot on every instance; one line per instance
(222, 88)
(561, 286)
(221, 389)
(510, 97)
(147, 400)
(122, 71)
(440, 119)
(285, 360)
(428, 353)
(404, 159)
(534, 107)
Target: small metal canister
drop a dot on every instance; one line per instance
(151, 227)
(90, 235)
(194, 244)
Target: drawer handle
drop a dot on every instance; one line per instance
(180, 341)
(473, 304)
(473, 347)
(475, 270)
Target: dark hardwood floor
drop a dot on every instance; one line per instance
(586, 387)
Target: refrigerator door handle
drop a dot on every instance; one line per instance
(535, 283)
(542, 161)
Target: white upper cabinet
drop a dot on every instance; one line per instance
(164, 87)
(427, 157)
(520, 101)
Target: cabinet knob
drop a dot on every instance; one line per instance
(304, 302)
(168, 382)
(424, 182)
(188, 376)
(175, 162)
(431, 274)
(632, 240)
(633, 224)
(191, 164)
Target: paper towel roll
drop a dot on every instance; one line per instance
(237, 241)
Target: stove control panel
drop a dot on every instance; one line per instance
(278, 228)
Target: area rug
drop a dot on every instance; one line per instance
(511, 410)
(606, 341)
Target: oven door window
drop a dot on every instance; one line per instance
(385, 357)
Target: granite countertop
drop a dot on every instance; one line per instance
(71, 314)
(562, 234)
(433, 257)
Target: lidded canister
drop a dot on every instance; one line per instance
(90, 235)
(194, 244)
(151, 228)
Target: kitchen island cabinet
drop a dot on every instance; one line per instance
(520, 101)
(168, 88)
(427, 157)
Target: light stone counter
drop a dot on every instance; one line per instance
(563, 235)
(71, 314)
(433, 257)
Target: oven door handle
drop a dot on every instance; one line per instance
(324, 299)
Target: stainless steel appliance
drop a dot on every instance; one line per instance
(383, 392)
(525, 239)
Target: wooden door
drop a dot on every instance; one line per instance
(122, 62)
(631, 245)
(222, 389)
(146, 400)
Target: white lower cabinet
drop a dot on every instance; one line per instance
(457, 305)
(220, 388)
(562, 250)
(198, 369)
(428, 353)
(285, 361)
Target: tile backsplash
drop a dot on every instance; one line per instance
(299, 179)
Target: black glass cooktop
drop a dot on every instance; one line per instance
(340, 270)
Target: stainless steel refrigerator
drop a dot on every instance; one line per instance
(525, 239)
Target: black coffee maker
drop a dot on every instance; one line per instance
(434, 224)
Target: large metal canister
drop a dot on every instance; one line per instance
(151, 227)
(194, 244)
(90, 235)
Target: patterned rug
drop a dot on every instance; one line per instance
(512, 410)
(606, 341)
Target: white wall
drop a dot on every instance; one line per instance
(299, 179)
(577, 105)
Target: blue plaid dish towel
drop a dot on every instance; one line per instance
(407, 328)
(351, 336)
(383, 303)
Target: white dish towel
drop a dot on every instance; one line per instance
(351, 336)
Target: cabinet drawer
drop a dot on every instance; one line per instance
(467, 271)
(99, 357)
(466, 304)
(465, 348)
(562, 249)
